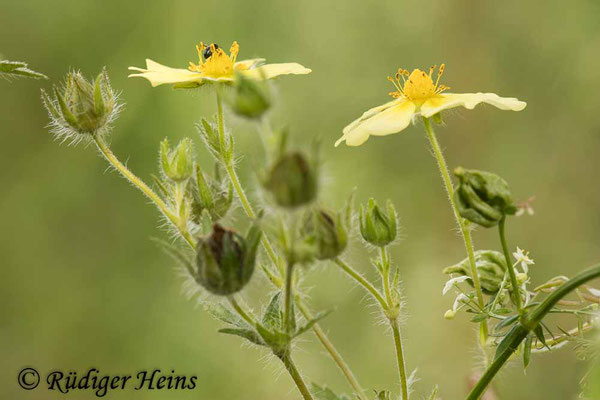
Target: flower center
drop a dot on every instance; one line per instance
(216, 63)
(417, 86)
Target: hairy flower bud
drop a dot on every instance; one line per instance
(292, 180)
(326, 229)
(377, 227)
(212, 195)
(490, 265)
(248, 98)
(225, 260)
(178, 163)
(82, 107)
(482, 197)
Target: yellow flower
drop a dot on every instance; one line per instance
(417, 94)
(217, 66)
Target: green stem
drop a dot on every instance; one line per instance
(361, 281)
(240, 310)
(295, 374)
(462, 224)
(527, 324)
(400, 358)
(509, 265)
(137, 182)
(287, 299)
(325, 341)
(393, 318)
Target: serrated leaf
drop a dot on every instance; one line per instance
(272, 316)
(324, 393)
(308, 325)
(18, 68)
(247, 334)
(224, 314)
(527, 351)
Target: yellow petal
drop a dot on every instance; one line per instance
(469, 100)
(269, 71)
(159, 74)
(387, 119)
(247, 64)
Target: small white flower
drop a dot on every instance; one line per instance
(452, 282)
(525, 207)
(461, 298)
(522, 257)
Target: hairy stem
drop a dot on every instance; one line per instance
(509, 265)
(391, 313)
(527, 324)
(287, 299)
(295, 374)
(325, 341)
(137, 182)
(462, 224)
(400, 358)
(240, 310)
(361, 280)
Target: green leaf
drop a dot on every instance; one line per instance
(182, 258)
(324, 393)
(224, 314)
(505, 344)
(503, 311)
(539, 333)
(312, 322)
(18, 68)
(479, 317)
(506, 322)
(248, 334)
(272, 316)
(527, 351)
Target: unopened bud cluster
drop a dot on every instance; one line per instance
(482, 197)
(292, 180)
(490, 265)
(225, 260)
(81, 107)
(378, 227)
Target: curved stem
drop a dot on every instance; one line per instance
(295, 374)
(361, 280)
(509, 265)
(137, 182)
(527, 324)
(240, 310)
(462, 224)
(325, 341)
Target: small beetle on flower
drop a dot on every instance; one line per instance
(214, 65)
(417, 94)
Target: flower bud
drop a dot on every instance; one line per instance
(482, 197)
(522, 278)
(82, 107)
(292, 180)
(249, 98)
(225, 260)
(326, 229)
(177, 164)
(450, 314)
(211, 195)
(490, 265)
(377, 227)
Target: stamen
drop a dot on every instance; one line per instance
(389, 78)
(200, 49)
(440, 73)
(431, 70)
(234, 50)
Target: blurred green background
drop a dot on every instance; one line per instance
(83, 286)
